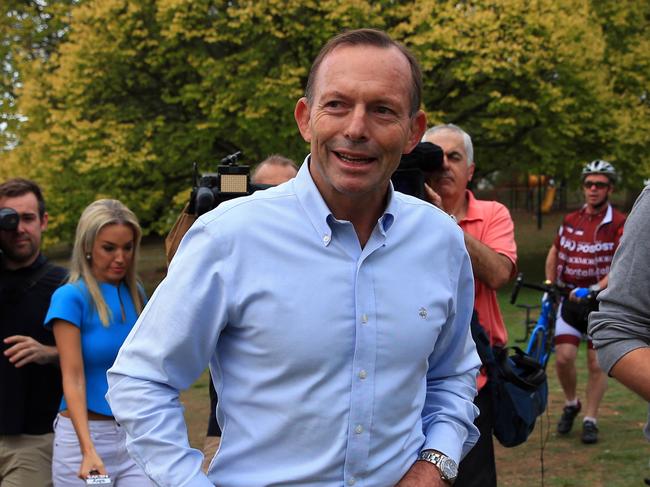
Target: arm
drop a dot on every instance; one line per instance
(550, 267)
(422, 474)
(68, 341)
(26, 350)
(489, 267)
(166, 351)
(449, 411)
(602, 284)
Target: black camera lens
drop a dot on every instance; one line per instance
(9, 219)
(409, 176)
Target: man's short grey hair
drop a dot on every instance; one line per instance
(467, 140)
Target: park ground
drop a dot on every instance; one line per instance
(621, 457)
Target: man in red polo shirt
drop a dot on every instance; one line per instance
(490, 240)
(580, 258)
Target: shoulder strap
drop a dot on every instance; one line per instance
(35, 278)
(482, 341)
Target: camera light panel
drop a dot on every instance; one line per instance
(234, 183)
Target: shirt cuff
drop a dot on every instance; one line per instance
(448, 438)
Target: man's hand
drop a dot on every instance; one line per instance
(432, 197)
(579, 294)
(422, 474)
(25, 350)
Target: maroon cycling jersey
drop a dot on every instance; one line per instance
(585, 245)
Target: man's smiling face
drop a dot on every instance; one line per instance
(358, 122)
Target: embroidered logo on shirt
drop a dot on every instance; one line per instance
(423, 313)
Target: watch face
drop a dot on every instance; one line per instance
(448, 468)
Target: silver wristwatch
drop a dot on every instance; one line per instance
(447, 467)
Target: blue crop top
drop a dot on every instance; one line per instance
(99, 343)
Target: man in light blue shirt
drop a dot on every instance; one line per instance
(333, 311)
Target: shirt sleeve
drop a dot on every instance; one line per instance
(622, 323)
(558, 235)
(449, 411)
(67, 304)
(500, 234)
(167, 350)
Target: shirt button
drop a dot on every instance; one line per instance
(363, 374)
(364, 318)
(326, 238)
(359, 429)
(351, 481)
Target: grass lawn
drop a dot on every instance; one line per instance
(619, 459)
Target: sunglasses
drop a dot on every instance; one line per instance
(598, 184)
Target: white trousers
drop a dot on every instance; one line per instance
(110, 442)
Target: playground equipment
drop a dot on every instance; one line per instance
(546, 186)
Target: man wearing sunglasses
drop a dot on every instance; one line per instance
(580, 259)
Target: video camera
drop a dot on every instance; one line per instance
(230, 181)
(9, 219)
(409, 176)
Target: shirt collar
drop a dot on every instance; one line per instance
(319, 213)
(40, 261)
(607, 213)
(472, 213)
(391, 211)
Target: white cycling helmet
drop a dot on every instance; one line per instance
(600, 167)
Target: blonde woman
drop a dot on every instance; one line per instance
(91, 316)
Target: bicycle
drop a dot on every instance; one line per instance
(540, 343)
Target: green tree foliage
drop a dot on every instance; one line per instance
(30, 31)
(523, 77)
(141, 90)
(626, 28)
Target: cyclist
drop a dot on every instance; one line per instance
(580, 259)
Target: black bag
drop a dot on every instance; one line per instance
(517, 384)
(576, 314)
(519, 392)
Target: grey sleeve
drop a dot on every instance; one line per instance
(622, 323)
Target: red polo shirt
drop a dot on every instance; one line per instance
(490, 223)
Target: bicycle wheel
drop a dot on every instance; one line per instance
(537, 346)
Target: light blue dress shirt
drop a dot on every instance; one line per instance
(334, 364)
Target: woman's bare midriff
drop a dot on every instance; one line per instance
(92, 416)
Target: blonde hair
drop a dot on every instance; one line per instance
(96, 216)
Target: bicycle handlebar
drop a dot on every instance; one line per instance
(551, 289)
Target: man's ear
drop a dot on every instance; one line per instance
(44, 220)
(470, 171)
(302, 116)
(418, 127)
